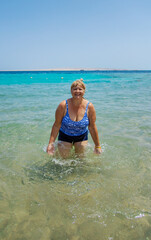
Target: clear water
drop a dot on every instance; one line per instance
(97, 197)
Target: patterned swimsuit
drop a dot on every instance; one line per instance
(73, 128)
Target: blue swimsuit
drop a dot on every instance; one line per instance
(72, 131)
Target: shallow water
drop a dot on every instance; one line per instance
(95, 197)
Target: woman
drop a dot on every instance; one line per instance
(73, 118)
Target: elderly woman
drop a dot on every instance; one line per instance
(73, 118)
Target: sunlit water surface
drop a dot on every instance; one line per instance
(105, 197)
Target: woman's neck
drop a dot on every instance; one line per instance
(76, 102)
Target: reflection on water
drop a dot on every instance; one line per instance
(105, 197)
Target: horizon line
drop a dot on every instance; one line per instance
(73, 69)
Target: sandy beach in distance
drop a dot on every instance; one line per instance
(72, 69)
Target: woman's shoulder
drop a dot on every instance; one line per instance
(91, 104)
(91, 107)
(62, 105)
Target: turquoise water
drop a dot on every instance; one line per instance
(95, 197)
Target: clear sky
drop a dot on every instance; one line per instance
(44, 34)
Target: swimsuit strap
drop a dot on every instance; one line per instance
(86, 107)
(67, 106)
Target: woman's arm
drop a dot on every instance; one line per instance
(56, 126)
(93, 129)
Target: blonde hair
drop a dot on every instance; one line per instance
(78, 82)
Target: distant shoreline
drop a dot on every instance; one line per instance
(75, 70)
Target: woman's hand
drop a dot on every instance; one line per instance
(98, 150)
(50, 149)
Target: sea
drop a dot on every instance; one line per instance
(92, 197)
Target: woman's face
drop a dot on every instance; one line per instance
(77, 92)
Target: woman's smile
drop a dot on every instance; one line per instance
(77, 92)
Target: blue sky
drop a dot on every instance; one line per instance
(75, 34)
